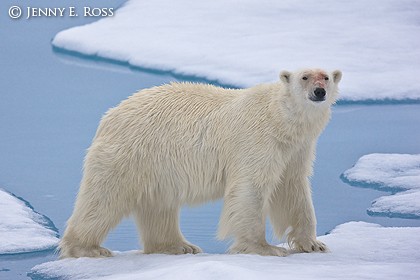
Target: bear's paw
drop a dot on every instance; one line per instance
(258, 249)
(174, 249)
(309, 246)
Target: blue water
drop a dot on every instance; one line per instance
(51, 104)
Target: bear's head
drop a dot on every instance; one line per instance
(315, 86)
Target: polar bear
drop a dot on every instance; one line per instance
(186, 143)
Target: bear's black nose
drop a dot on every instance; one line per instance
(319, 93)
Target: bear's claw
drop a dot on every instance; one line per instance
(175, 249)
(310, 246)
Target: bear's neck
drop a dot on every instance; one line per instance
(298, 121)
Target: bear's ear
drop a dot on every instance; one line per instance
(285, 76)
(337, 76)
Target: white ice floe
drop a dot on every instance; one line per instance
(374, 43)
(390, 172)
(359, 250)
(22, 229)
(402, 205)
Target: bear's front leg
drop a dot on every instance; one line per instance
(291, 205)
(302, 237)
(243, 219)
(160, 232)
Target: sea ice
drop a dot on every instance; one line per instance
(242, 44)
(22, 229)
(358, 250)
(400, 205)
(390, 172)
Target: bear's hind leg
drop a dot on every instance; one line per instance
(160, 232)
(87, 228)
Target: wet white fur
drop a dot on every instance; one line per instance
(185, 143)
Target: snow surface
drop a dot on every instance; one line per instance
(359, 250)
(22, 229)
(390, 172)
(375, 43)
(402, 205)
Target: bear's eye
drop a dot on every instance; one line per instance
(304, 78)
(326, 78)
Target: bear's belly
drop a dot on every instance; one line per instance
(176, 176)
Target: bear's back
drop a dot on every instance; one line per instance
(171, 109)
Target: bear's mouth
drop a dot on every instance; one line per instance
(316, 98)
